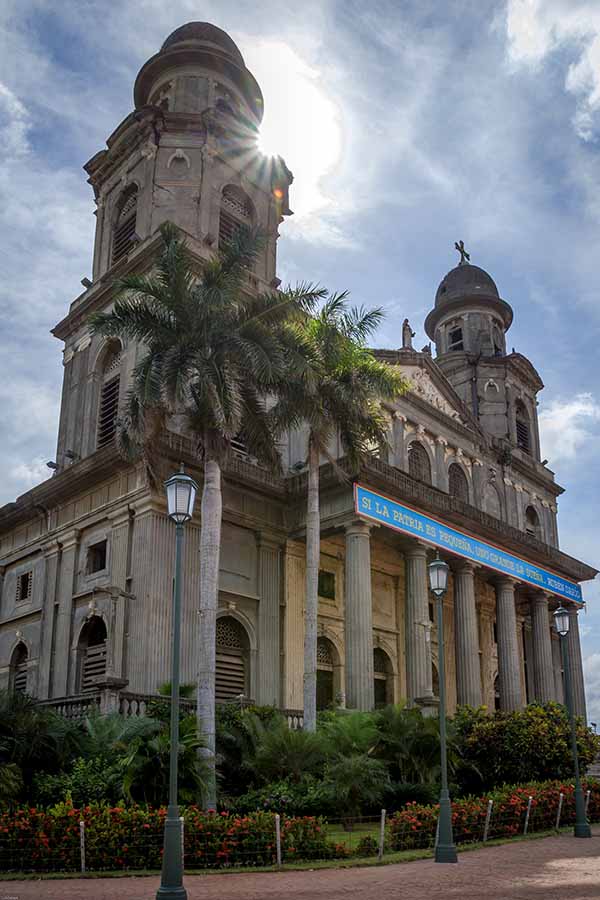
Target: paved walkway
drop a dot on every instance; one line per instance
(557, 868)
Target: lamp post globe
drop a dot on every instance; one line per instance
(181, 495)
(445, 850)
(561, 623)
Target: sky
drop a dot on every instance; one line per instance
(408, 124)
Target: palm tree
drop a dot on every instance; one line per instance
(338, 391)
(212, 356)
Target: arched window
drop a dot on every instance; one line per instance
(522, 427)
(326, 656)
(458, 485)
(92, 654)
(125, 222)
(108, 409)
(491, 501)
(232, 669)
(532, 522)
(418, 462)
(382, 673)
(236, 210)
(18, 669)
(455, 337)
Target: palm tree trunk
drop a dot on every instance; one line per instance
(210, 548)
(313, 547)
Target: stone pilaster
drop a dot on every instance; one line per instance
(51, 563)
(293, 624)
(576, 664)
(398, 454)
(478, 482)
(359, 618)
(543, 670)
(468, 667)
(418, 655)
(66, 587)
(509, 666)
(441, 479)
(269, 555)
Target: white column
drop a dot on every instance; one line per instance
(359, 618)
(543, 674)
(468, 667)
(418, 656)
(509, 669)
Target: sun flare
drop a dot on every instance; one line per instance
(301, 122)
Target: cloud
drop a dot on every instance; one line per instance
(539, 28)
(565, 426)
(27, 474)
(14, 124)
(591, 671)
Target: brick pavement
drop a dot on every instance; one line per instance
(556, 868)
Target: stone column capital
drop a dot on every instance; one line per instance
(505, 582)
(417, 550)
(358, 527)
(538, 598)
(465, 566)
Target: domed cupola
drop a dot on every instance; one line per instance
(197, 67)
(463, 281)
(469, 315)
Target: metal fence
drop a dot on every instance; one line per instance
(69, 845)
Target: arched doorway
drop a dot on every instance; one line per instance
(435, 680)
(232, 660)
(18, 669)
(326, 656)
(382, 674)
(91, 653)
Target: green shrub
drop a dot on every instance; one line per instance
(89, 781)
(531, 744)
(304, 798)
(367, 846)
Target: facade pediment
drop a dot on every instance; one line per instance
(423, 386)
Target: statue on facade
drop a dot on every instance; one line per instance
(407, 336)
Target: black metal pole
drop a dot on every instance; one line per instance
(582, 828)
(445, 851)
(171, 885)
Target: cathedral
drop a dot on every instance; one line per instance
(86, 557)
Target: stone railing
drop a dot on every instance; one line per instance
(132, 704)
(75, 707)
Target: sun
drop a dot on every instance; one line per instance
(301, 122)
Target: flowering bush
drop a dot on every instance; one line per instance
(131, 837)
(415, 825)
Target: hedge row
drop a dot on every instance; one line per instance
(131, 837)
(415, 826)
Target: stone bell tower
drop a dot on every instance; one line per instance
(186, 154)
(468, 323)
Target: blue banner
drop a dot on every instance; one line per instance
(388, 512)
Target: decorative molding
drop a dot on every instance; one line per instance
(179, 154)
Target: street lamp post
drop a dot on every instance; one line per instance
(445, 851)
(181, 495)
(561, 622)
